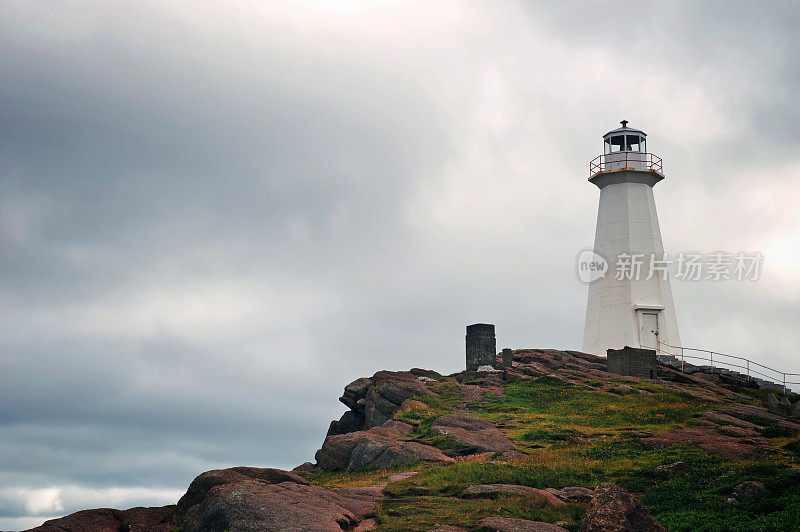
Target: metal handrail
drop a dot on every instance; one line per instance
(650, 162)
(747, 366)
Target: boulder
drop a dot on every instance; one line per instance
(412, 404)
(350, 421)
(306, 468)
(428, 373)
(388, 391)
(160, 519)
(782, 407)
(376, 447)
(256, 505)
(615, 510)
(507, 524)
(399, 477)
(354, 392)
(572, 493)
(366, 524)
(750, 490)
(204, 482)
(488, 490)
(373, 401)
(477, 433)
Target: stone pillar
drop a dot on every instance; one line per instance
(507, 358)
(481, 346)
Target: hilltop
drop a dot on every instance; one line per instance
(554, 442)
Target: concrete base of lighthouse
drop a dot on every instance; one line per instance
(634, 311)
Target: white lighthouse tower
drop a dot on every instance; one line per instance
(628, 306)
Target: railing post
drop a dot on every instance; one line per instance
(682, 358)
(712, 362)
(784, 384)
(748, 371)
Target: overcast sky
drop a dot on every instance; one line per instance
(214, 215)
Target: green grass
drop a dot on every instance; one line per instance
(352, 478)
(559, 408)
(793, 447)
(778, 431)
(452, 479)
(693, 499)
(696, 500)
(426, 512)
(448, 397)
(423, 433)
(549, 434)
(576, 436)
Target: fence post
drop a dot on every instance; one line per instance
(682, 360)
(748, 371)
(784, 383)
(712, 362)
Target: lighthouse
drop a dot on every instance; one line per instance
(631, 304)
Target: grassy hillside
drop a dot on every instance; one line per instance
(579, 431)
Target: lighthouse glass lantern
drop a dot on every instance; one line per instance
(625, 147)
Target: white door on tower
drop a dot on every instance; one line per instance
(649, 335)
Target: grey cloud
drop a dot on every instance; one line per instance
(208, 226)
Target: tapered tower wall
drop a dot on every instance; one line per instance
(620, 312)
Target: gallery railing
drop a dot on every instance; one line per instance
(626, 160)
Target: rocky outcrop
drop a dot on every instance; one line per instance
(255, 505)
(349, 422)
(247, 498)
(551, 496)
(204, 482)
(474, 432)
(507, 524)
(373, 401)
(749, 490)
(709, 440)
(306, 468)
(572, 493)
(615, 510)
(492, 490)
(376, 447)
(721, 418)
(760, 416)
(161, 519)
(244, 498)
(783, 407)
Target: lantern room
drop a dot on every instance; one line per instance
(625, 139)
(625, 148)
